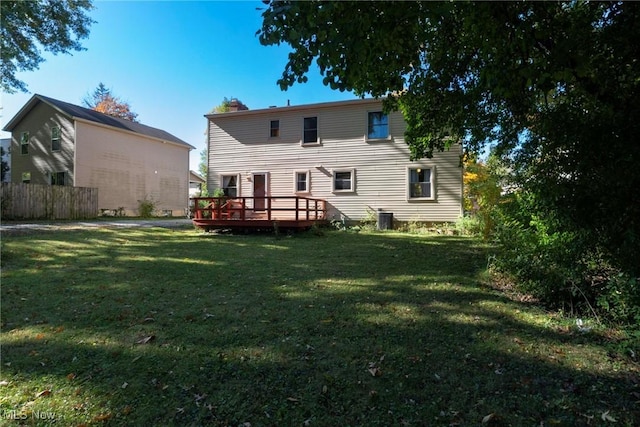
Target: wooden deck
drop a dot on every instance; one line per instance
(286, 212)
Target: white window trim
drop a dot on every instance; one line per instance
(433, 184)
(238, 182)
(23, 143)
(352, 171)
(366, 130)
(279, 129)
(318, 139)
(295, 181)
(59, 139)
(64, 178)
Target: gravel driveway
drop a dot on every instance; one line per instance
(13, 227)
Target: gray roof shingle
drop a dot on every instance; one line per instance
(77, 112)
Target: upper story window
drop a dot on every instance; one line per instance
(24, 143)
(377, 125)
(310, 132)
(421, 183)
(230, 185)
(55, 138)
(302, 181)
(344, 180)
(58, 178)
(274, 129)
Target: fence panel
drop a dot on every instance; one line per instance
(33, 201)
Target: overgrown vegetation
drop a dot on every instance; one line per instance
(547, 257)
(147, 207)
(167, 327)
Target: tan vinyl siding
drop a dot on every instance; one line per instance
(41, 161)
(240, 144)
(128, 167)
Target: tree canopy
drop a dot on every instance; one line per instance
(553, 87)
(26, 27)
(103, 100)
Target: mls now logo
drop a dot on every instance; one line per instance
(38, 415)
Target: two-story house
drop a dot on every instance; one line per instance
(57, 143)
(349, 153)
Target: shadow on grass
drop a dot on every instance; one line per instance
(151, 327)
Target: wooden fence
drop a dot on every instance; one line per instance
(33, 201)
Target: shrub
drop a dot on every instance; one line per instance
(147, 207)
(469, 226)
(561, 266)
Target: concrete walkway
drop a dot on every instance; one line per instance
(15, 227)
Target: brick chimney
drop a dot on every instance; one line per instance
(236, 105)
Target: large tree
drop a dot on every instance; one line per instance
(103, 100)
(554, 85)
(26, 27)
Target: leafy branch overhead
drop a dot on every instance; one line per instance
(28, 27)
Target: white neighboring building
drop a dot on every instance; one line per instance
(57, 143)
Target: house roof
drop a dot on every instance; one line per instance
(76, 112)
(276, 110)
(195, 177)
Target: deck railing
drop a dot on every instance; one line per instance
(270, 208)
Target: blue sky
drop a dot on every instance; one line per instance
(172, 61)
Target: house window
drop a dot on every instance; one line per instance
(274, 129)
(344, 180)
(26, 177)
(378, 125)
(230, 185)
(310, 134)
(302, 181)
(55, 138)
(24, 143)
(57, 178)
(420, 183)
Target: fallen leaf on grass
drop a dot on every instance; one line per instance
(4, 383)
(607, 417)
(488, 418)
(40, 336)
(127, 410)
(102, 417)
(375, 371)
(124, 385)
(146, 340)
(71, 376)
(43, 393)
(292, 399)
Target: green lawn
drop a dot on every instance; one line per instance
(176, 327)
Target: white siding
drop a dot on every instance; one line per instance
(127, 167)
(239, 143)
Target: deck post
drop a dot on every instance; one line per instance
(297, 208)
